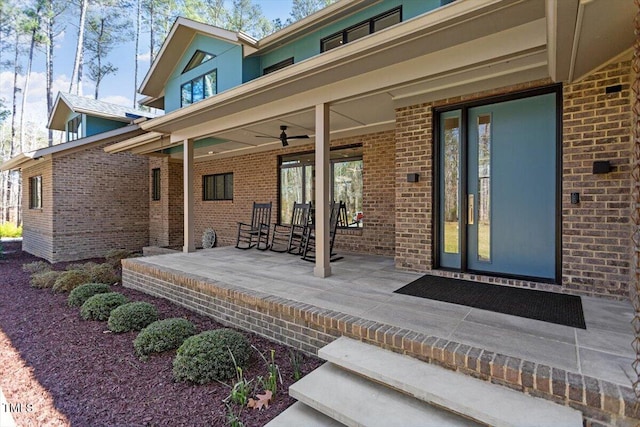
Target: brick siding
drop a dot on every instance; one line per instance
(37, 229)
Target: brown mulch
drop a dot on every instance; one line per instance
(57, 369)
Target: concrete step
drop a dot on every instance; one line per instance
(476, 399)
(355, 401)
(299, 415)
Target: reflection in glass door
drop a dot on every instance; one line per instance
(450, 189)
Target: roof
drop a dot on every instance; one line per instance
(115, 135)
(67, 103)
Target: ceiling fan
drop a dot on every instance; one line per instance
(284, 138)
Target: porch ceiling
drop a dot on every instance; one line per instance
(462, 48)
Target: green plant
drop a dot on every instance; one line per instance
(9, 229)
(241, 388)
(79, 295)
(296, 364)
(206, 357)
(270, 382)
(98, 307)
(36, 267)
(163, 335)
(45, 279)
(132, 316)
(71, 279)
(233, 419)
(114, 256)
(86, 266)
(103, 273)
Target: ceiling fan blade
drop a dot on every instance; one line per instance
(298, 137)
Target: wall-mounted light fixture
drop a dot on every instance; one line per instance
(602, 167)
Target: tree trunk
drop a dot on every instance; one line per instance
(135, 69)
(76, 76)
(49, 65)
(152, 39)
(25, 91)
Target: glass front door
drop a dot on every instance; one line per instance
(497, 188)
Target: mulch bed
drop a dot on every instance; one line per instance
(57, 369)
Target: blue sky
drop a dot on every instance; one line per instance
(115, 88)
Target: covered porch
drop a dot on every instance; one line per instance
(277, 295)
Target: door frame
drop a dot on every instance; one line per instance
(436, 225)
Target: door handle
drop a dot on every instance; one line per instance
(471, 210)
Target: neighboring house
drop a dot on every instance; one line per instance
(468, 136)
(78, 201)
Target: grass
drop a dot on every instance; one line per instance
(9, 229)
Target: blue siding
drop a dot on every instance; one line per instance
(309, 45)
(95, 125)
(228, 62)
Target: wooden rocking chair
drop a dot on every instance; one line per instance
(288, 237)
(309, 240)
(257, 232)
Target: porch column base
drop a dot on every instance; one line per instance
(189, 248)
(322, 271)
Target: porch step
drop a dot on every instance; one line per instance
(356, 401)
(299, 414)
(475, 399)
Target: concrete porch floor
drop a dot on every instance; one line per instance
(363, 285)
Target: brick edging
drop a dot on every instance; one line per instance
(308, 328)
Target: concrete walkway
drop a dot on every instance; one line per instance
(363, 286)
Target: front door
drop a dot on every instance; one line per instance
(498, 188)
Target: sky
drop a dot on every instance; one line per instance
(117, 89)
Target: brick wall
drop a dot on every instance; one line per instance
(37, 230)
(595, 234)
(256, 179)
(166, 216)
(100, 202)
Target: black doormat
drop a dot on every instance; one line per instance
(540, 305)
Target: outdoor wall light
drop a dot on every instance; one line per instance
(602, 167)
(413, 177)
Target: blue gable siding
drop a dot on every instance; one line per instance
(309, 45)
(95, 125)
(228, 63)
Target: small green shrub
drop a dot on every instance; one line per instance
(71, 279)
(104, 273)
(132, 316)
(36, 267)
(98, 307)
(206, 357)
(86, 266)
(9, 229)
(163, 335)
(114, 256)
(79, 295)
(46, 279)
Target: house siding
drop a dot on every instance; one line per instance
(596, 244)
(100, 202)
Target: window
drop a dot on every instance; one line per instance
(155, 184)
(74, 128)
(362, 29)
(279, 66)
(35, 192)
(199, 88)
(217, 187)
(198, 58)
(297, 182)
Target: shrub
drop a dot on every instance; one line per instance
(86, 266)
(46, 279)
(206, 357)
(98, 307)
(132, 316)
(163, 335)
(79, 295)
(114, 256)
(103, 273)
(71, 279)
(36, 267)
(9, 229)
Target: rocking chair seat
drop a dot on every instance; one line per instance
(255, 234)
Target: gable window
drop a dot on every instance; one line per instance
(198, 58)
(35, 192)
(199, 88)
(279, 66)
(217, 187)
(297, 182)
(362, 29)
(155, 184)
(74, 128)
